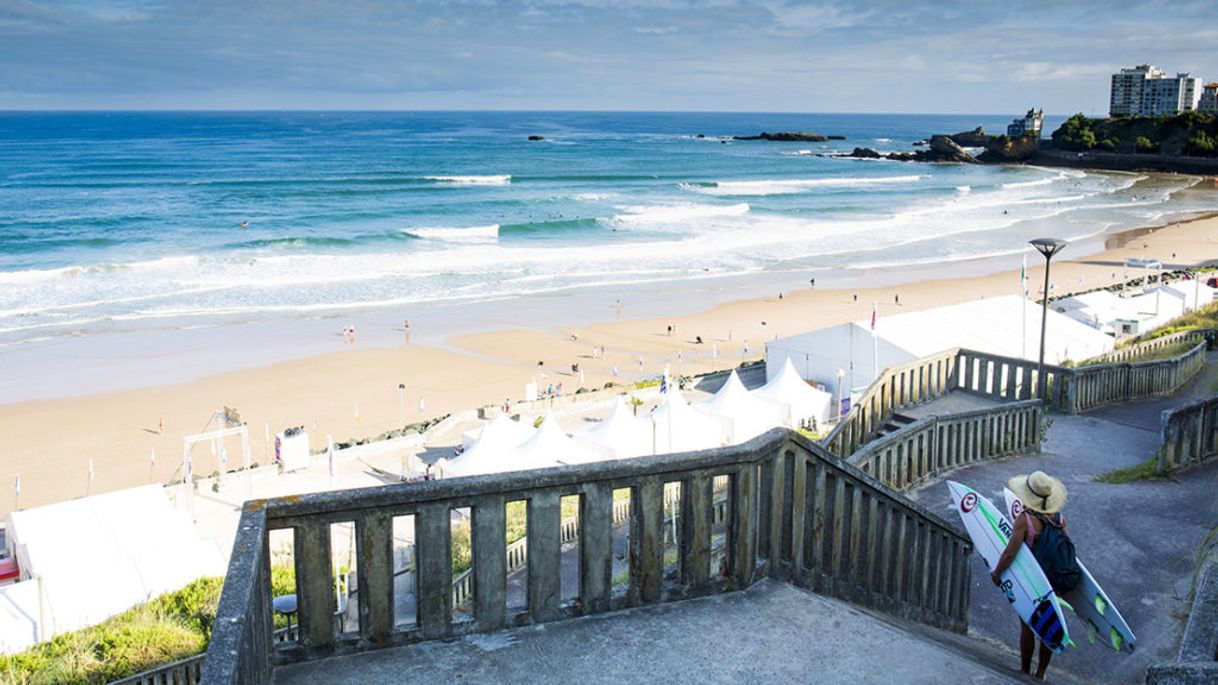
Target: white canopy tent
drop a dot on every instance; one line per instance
(491, 454)
(678, 427)
(551, 446)
(85, 560)
(502, 430)
(622, 433)
(745, 415)
(1007, 326)
(800, 400)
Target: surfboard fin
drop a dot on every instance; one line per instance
(1116, 639)
(1070, 642)
(1100, 605)
(1065, 604)
(1092, 633)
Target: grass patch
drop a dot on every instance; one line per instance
(1132, 474)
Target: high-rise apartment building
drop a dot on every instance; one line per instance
(1149, 92)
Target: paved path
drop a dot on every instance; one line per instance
(772, 632)
(1137, 538)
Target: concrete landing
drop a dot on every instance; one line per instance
(1137, 539)
(952, 402)
(772, 632)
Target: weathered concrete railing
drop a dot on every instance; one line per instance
(1134, 352)
(1197, 661)
(183, 672)
(795, 513)
(1076, 390)
(898, 386)
(1189, 434)
(935, 444)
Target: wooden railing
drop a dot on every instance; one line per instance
(911, 383)
(183, 672)
(795, 513)
(1138, 350)
(1189, 434)
(937, 444)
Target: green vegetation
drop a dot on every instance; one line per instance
(1205, 317)
(1131, 474)
(172, 626)
(1192, 134)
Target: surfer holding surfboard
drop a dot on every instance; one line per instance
(1043, 498)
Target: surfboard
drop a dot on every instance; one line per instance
(1088, 600)
(1023, 583)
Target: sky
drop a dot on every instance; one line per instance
(947, 56)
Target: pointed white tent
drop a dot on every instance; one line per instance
(802, 401)
(745, 416)
(622, 433)
(678, 427)
(486, 455)
(551, 446)
(502, 431)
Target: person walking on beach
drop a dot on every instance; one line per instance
(1043, 524)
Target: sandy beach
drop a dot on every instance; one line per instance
(355, 392)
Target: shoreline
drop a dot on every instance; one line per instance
(354, 392)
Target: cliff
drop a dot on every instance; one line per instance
(1191, 134)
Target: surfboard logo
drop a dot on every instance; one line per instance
(968, 502)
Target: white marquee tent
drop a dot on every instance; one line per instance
(745, 415)
(551, 446)
(486, 455)
(622, 433)
(502, 430)
(1006, 326)
(799, 400)
(94, 557)
(678, 427)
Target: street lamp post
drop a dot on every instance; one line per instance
(1047, 247)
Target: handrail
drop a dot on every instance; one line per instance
(935, 444)
(794, 512)
(1197, 660)
(1132, 352)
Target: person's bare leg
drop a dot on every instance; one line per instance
(1027, 641)
(1042, 661)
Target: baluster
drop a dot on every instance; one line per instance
(798, 513)
(596, 547)
(696, 520)
(744, 525)
(374, 570)
(545, 555)
(490, 563)
(648, 544)
(433, 531)
(314, 585)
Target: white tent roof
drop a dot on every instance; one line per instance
(502, 431)
(746, 415)
(101, 555)
(802, 401)
(550, 446)
(489, 455)
(997, 325)
(679, 427)
(622, 433)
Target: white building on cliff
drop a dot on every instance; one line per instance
(1147, 91)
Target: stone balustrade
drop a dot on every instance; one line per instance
(1189, 434)
(793, 512)
(937, 444)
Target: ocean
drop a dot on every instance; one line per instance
(139, 223)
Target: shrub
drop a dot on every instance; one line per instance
(1108, 144)
(1144, 144)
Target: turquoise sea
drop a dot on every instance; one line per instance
(130, 222)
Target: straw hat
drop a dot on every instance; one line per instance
(1039, 492)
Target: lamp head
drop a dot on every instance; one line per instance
(1048, 246)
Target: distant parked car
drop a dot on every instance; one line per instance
(1212, 281)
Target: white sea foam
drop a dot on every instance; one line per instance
(883, 140)
(789, 186)
(964, 189)
(650, 214)
(489, 180)
(471, 234)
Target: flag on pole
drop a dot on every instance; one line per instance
(1023, 276)
(874, 315)
(422, 405)
(90, 470)
(330, 452)
(17, 485)
(152, 459)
